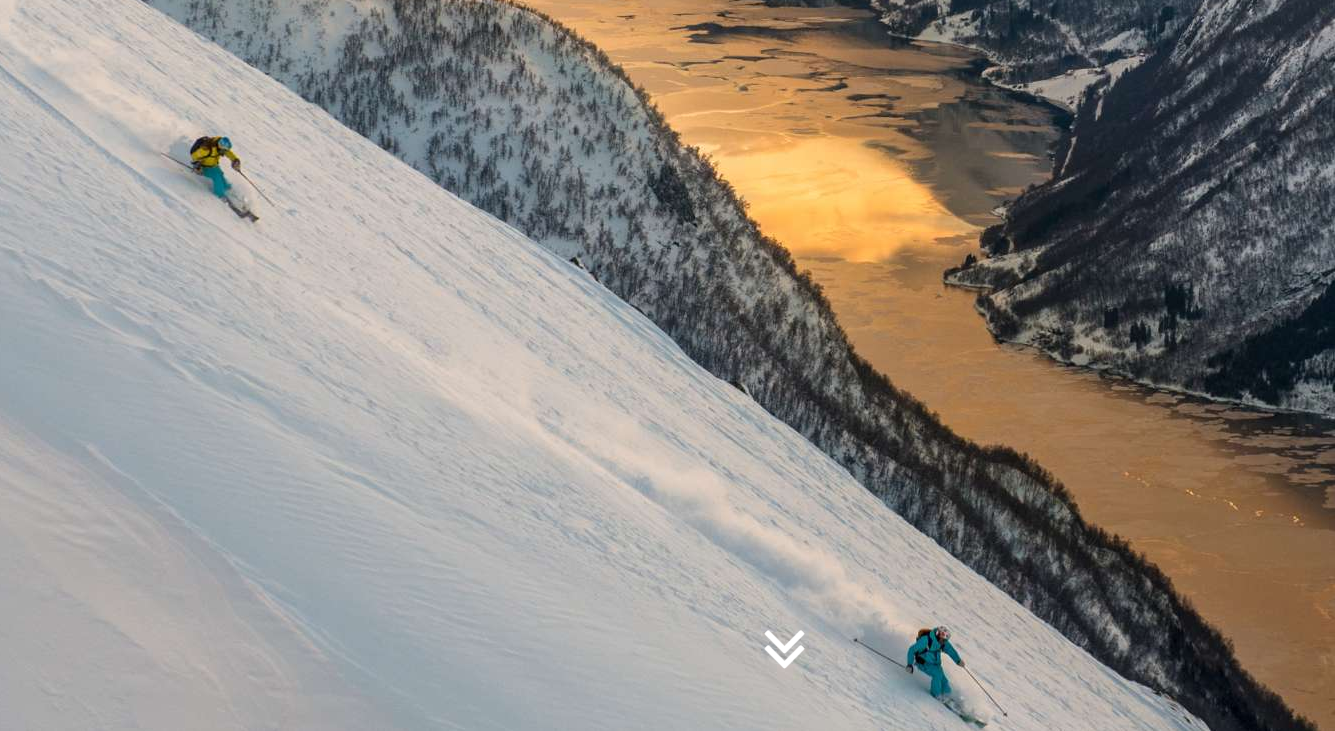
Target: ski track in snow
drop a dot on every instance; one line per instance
(379, 461)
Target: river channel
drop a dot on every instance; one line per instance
(877, 162)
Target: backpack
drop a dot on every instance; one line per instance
(917, 656)
(202, 142)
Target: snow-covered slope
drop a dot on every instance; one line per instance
(524, 119)
(1068, 89)
(380, 461)
(1202, 256)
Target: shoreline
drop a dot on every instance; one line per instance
(1113, 373)
(988, 63)
(1104, 371)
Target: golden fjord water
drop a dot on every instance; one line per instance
(877, 162)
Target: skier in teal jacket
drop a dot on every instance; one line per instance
(926, 654)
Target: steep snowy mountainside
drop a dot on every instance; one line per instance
(527, 121)
(1041, 40)
(351, 467)
(1201, 257)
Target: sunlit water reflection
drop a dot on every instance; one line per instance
(877, 163)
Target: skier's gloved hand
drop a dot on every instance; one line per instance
(236, 164)
(961, 663)
(198, 167)
(909, 668)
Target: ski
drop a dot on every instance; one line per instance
(241, 212)
(963, 713)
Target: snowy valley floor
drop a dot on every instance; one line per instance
(379, 461)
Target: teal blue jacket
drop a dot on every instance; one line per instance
(928, 650)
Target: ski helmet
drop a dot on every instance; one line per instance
(225, 143)
(942, 634)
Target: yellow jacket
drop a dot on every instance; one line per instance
(210, 154)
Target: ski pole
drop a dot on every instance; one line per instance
(873, 649)
(256, 187)
(178, 162)
(989, 695)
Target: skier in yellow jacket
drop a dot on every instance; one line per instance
(206, 153)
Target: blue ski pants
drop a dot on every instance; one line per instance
(940, 686)
(220, 184)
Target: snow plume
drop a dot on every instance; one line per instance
(812, 579)
(723, 510)
(799, 567)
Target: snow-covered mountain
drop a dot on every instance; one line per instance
(380, 461)
(1203, 255)
(1041, 44)
(527, 121)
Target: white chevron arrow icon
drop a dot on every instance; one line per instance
(785, 659)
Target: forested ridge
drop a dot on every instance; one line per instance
(1202, 257)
